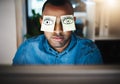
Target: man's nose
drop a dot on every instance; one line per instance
(58, 27)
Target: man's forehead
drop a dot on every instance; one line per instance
(58, 6)
(58, 16)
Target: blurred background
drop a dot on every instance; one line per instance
(97, 20)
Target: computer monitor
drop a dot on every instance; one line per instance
(59, 74)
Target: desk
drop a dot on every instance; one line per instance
(103, 74)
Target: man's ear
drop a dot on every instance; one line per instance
(74, 18)
(40, 20)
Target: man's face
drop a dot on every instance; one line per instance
(57, 38)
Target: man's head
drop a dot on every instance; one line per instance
(58, 39)
(58, 3)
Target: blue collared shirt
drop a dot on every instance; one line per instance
(38, 51)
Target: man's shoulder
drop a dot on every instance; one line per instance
(34, 40)
(82, 40)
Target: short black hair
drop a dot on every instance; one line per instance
(56, 3)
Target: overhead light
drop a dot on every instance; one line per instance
(74, 6)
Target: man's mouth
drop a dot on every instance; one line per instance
(58, 38)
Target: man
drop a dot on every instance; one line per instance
(58, 45)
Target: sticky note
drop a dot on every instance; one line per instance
(48, 23)
(68, 23)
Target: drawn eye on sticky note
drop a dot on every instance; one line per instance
(48, 23)
(68, 23)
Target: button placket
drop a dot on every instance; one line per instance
(57, 58)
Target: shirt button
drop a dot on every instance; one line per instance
(56, 56)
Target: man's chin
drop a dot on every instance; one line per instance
(60, 46)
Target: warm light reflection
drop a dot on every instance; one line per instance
(111, 3)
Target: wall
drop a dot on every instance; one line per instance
(107, 19)
(20, 11)
(7, 31)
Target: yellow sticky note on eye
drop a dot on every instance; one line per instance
(48, 23)
(68, 23)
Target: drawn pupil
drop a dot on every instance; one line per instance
(48, 22)
(68, 21)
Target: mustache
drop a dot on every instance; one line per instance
(58, 34)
